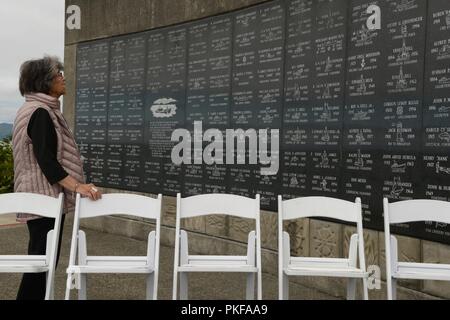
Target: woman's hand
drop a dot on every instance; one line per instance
(89, 190)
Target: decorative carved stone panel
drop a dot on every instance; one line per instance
(239, 228)
(197, 224)
(370, 244)
(269, 230)
(269, 262)
(326, 239)
(409, 250)
(201, 244)
(299, 236)
(436, 253)
(217, 225)
(233, 248)
(169, 211)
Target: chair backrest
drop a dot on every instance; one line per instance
(119, 203)
(44, 206)
(111, 204)
(410, 211)
(227, 204)
(404, 212)
(309, 207)
(416, 210)
(31, 203)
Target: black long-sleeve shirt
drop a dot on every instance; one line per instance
(42, 133)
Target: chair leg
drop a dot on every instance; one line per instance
(365, 289)
(155, 284)
(259, 286)
(52, 292)
(150, 284)
(391, 288)
(82, 292)
(250, 292)
(351, 289)
(175, 286)
(183, 286)
(394, 289)
(47, 289)
(68, 286)
(50, 274)
(285, 287)
(82, 256)
(50, 295)
(280, 285)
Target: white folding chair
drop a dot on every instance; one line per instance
(226, 204)
(127, 204)
(43, 206)
(404, 212)
(326, 207)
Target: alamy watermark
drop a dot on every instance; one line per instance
(73, 21)
(238, 144)
(374, 280)
(374, 21)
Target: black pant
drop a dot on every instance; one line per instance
(33, 285)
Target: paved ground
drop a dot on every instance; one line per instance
(7, 219)
(13, 240)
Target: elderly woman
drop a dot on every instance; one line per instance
(46, 158)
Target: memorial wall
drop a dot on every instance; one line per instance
(361, 112)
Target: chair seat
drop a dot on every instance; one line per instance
(21, 264)
(199, 263)
(112, 264)
(326, 267)
(423, 271)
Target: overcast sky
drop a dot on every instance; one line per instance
(28, 29)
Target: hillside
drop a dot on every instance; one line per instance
(5, 130)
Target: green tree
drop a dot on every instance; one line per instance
(6, 166)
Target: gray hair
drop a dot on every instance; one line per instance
(37, 75)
